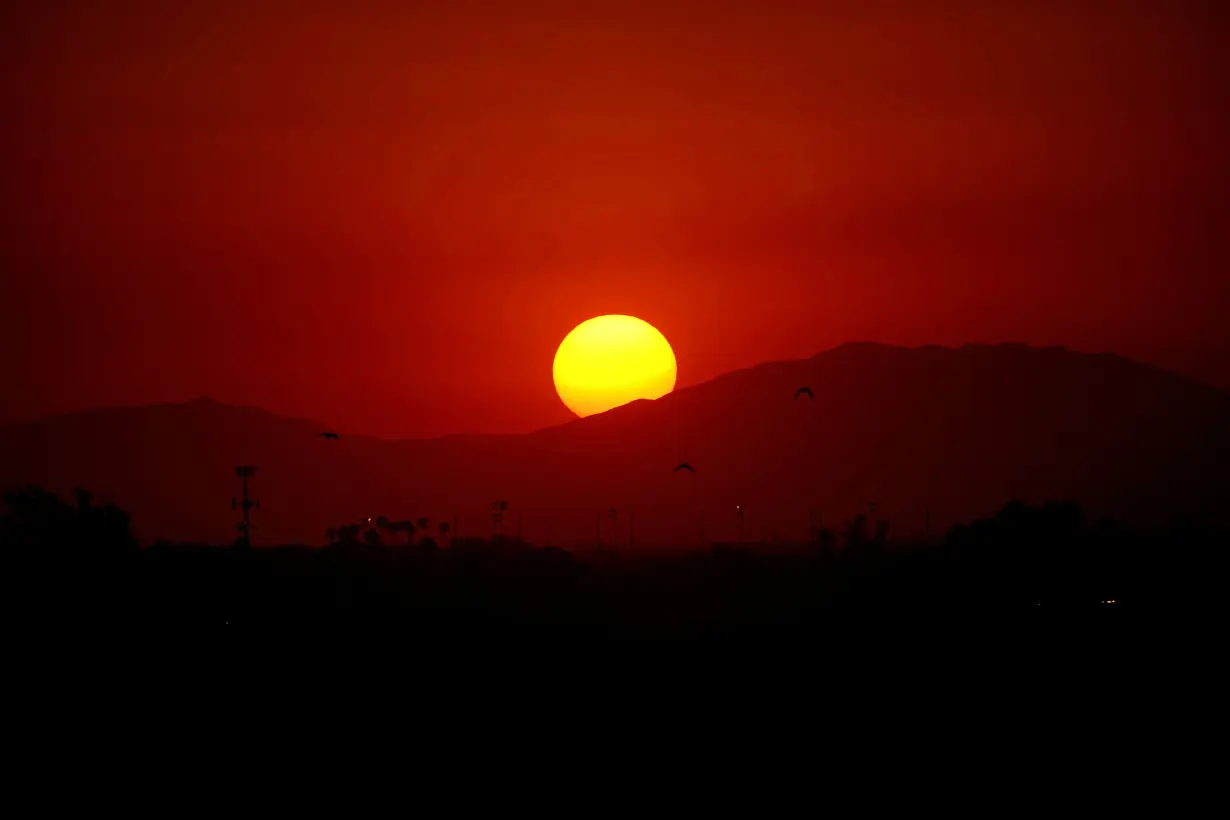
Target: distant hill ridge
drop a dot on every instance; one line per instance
(950, 431)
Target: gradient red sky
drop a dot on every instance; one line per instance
(388, 219)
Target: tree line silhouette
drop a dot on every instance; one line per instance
(79, 559)
(372, 532)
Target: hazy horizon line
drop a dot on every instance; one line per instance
(204, 398)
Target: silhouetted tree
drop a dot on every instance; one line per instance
(857, 532)
(331, 534)
(39, 518)
(409, 529)
(827, 541)
(348, 535)
(372, 538)
(444, 530)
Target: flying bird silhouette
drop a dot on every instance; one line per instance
(328, 436)
(806, 390)
(683, 466)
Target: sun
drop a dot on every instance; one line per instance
(612, 360)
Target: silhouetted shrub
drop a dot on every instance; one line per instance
(36, 518)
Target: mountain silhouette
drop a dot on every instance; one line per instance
(947, 433)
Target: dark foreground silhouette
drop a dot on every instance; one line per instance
(78, 562)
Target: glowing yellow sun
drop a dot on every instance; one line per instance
(612, 360)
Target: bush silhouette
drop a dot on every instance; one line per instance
(37, 518)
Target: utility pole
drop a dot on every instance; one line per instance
(245, 526)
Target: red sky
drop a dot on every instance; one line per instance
(388, 219)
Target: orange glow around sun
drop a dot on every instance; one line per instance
(612, 360)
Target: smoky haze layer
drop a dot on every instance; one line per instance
(231, 193)
(929, 434)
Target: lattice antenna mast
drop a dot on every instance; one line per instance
(246, 504)
(498, 508)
